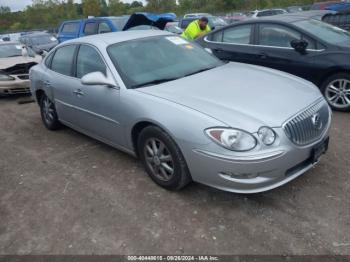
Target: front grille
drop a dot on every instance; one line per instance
(309, 125)
(14, 91)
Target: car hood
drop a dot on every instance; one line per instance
(156, 20)
(241, 95)
(12, 61)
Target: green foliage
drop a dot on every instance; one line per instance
(48, 14)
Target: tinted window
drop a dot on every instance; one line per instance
(280, 36)
(70, 28)
(89, 61)
(276, 35)
(90, 28)
(238, 34)
(103, 28)
(63, 60)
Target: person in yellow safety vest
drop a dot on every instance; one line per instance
(196, 29)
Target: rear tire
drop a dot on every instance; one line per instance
(163, 159)
(48, 113)
(336, 90)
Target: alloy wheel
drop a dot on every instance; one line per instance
(338, 93)
(159, 159)
(48, 110)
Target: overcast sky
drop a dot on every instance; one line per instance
(16, 5)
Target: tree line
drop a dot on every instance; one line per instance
(48, 14)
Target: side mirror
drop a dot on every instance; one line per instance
(98, 78)
(299, 45)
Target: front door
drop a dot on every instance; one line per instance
(99, 108)
(274, 50)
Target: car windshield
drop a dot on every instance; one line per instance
(217, 21)
(42, 40)
(326, 32)
(155, 60)
(10, 50)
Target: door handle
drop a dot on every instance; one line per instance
(263, 56)
(78, 92)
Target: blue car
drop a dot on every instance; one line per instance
(99, 25)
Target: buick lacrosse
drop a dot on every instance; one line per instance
(185, 114)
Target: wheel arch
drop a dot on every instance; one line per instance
(142, 124)
(39, 94)
(331, 72)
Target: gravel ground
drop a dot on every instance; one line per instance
(65, 193)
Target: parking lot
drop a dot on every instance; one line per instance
(64, 193)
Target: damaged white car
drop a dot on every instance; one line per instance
(15, 62)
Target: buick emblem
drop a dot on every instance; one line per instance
(316, 121)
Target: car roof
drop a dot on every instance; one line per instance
(117, 37)
(287, 18)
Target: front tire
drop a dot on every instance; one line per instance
(48, 113)
(163, 159)
(336, 90)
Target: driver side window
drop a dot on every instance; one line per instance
(89, 61)
(280, 36)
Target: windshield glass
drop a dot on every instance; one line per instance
(155, 60)
(217, 21)
(42, 40)
(326, 32)
(10, 50)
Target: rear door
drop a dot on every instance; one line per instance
(61, 80)
(233, 43)
(273, 46)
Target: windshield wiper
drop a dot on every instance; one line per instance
(199, 71)
(155, 82)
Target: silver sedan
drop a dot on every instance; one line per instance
(185, 114)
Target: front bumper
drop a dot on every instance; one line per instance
(251, 172)
(20, 85)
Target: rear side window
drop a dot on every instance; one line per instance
(217, 37)
(63, 60)
(48, 60)
(103, 27)
(90, 28)
(238, 34)
(70, 28)
(89, 61)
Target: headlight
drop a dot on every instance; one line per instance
(267, 135)
(4, 77)
(232, 139)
